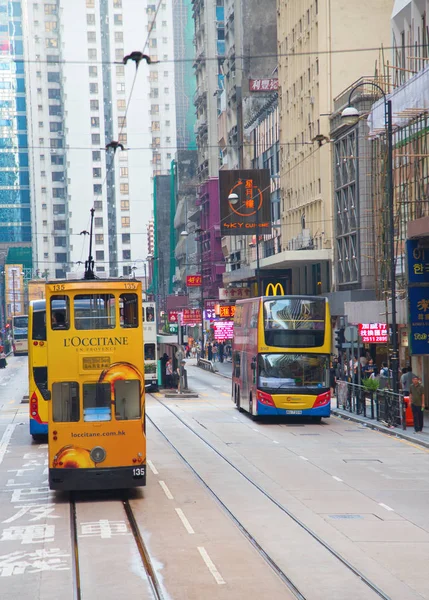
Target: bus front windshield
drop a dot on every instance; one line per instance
(289, 372)
(294, 322)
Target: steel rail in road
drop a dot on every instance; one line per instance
(283, 508)
(141, 546)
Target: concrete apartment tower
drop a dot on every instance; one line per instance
(79, 100)
(313, 70)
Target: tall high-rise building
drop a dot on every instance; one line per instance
(80, 98)
(15, 220)
(209, 56)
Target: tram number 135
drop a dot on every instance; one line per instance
(138, 472)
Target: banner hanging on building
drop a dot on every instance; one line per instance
(245, 202)
(223, 330)
(373, 333)
(418, 298)
(14, 288)
(190, 316)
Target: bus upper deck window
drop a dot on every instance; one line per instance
(60, 312)
(94, 311)
(129, 310)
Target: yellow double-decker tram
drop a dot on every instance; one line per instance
(96, 415)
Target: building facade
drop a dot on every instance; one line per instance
(209, 44)
(312, 72)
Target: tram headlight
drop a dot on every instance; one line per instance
(98, 454)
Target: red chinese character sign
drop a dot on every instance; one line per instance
(245, 205)
(263, 85)
(173, 316)
(223, 330)
(373, 333)
(193, 280)
(191, 316)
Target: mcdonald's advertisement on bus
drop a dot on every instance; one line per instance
(245, 202)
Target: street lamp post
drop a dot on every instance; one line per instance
(185, 234)
(13, 293)
(352, 115)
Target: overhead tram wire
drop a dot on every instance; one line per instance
(239, 57)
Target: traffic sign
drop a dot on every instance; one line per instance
(351, 333)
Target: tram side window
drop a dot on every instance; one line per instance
(127, 400)
(149, 351)
(65, 402)
(60, 312)
(150, 314)
(129, 310)
(96, 402)
(94, 311)
(39, 326)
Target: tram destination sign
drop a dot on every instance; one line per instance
(245, 204)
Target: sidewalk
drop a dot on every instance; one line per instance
(225, 370)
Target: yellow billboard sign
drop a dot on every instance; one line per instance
(36, 290)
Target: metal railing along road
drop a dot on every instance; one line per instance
(381, 405)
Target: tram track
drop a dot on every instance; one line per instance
(146, 561)
(273, 564)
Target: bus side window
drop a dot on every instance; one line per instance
(39, 326)
(150, 314)
(60, 312)
(129, 310)
(236, 360)
(65, 402)
(127, 400)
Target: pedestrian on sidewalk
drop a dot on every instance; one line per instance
(417, 396)
(406, 380)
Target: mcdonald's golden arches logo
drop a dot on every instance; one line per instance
(273, 288)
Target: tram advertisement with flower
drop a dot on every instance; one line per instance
(280, 355)
(96, 402)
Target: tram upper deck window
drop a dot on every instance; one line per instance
(129, 310)
(96, 402)
(94, 311)
(150, 314)
(127, 400)
(65, 402)
(60, 312)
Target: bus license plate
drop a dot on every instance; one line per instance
(294, 412)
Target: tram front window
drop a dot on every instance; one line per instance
(65, 402)
(127, 400)
(96, 402)
(94, 311)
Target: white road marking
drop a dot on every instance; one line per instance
(210, 565)
(385, 506)
(236, 418)
(166, 490)
(336, 478)
(4, 442)
(152, 467)
(303, 458)
(185, 521)
(255, 430)
(276, 442)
